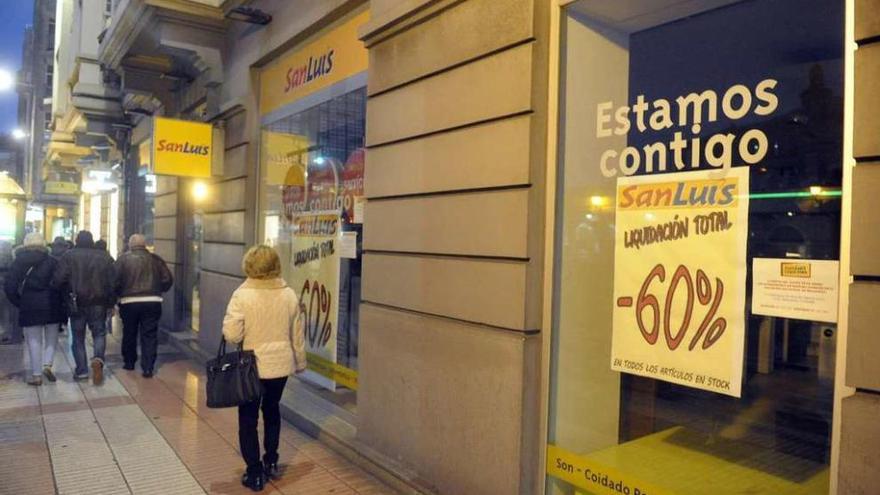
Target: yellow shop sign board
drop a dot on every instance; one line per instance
(332, 58)
(182, 148)
(54, 187)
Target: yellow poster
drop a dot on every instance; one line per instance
(182, 148)
(680, 277)
(284, 158)
(315, 278)
(335, 56)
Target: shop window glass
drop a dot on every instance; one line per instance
(699, 210)
(312, 166)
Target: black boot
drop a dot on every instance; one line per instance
(254, 478)
(271, 470)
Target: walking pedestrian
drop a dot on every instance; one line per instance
(89, 276)
(263, 315)
(141, 279)
(40, 309)
(58, 247)
(101, 245)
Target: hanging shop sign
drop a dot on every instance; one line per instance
(332, 58)
(182, 148)
(315, 278)
(679, 277)
(795, 288)
(56, 187)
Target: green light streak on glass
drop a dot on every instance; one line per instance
(796, 194)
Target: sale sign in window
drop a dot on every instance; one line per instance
(680, 277)
(315, 278)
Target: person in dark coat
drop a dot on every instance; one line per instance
(141, 279)
(40, 307)
(58, 247)
(89, 274)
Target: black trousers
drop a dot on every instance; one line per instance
(140, 318)
(248, 415)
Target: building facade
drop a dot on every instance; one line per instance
(52, 190)
(544, 246)
(89, 132)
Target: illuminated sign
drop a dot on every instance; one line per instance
(55, 187)
(329, 59)
(182, 148)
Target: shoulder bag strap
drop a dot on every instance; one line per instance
(24, 280)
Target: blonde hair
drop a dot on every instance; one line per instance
(261, 262)
(34, 239)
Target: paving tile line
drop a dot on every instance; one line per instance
(199, 418)
(223, 438)
(46, 439)
(15, 428)
(97, 423)
(134, 483)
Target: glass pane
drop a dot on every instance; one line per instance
(312, 165)
(655, 99)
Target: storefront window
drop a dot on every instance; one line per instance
(697, 248)
(312, 165)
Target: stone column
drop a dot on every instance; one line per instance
(859, 471)
(453, 240)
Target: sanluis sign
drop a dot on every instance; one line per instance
(182, 148)
(329, 59)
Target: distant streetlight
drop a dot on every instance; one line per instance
(18, 134)
(7, 80)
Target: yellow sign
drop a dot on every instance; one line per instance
(182, 148)
(795, 269)
(346, 377)
(53, 187)
(284, 158)
(584, 472)
(680, 277)
(682, 461)
(332, 58)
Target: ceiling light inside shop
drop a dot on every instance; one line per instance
(598, 201)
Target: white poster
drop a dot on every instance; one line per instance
(315, 278)
(795, 288)
(680, 277)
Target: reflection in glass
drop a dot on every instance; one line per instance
(313, 161)
(776, 438)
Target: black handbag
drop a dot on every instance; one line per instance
(233, 378)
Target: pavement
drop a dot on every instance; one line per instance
(133, 435)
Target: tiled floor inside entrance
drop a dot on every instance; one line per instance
(142, 436)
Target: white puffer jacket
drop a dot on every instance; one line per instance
(263, 314)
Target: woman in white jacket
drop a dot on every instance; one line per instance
(264, 314)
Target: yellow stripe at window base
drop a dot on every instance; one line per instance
(594, 477)
(346, 377)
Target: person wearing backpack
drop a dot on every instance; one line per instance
(40, 307)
